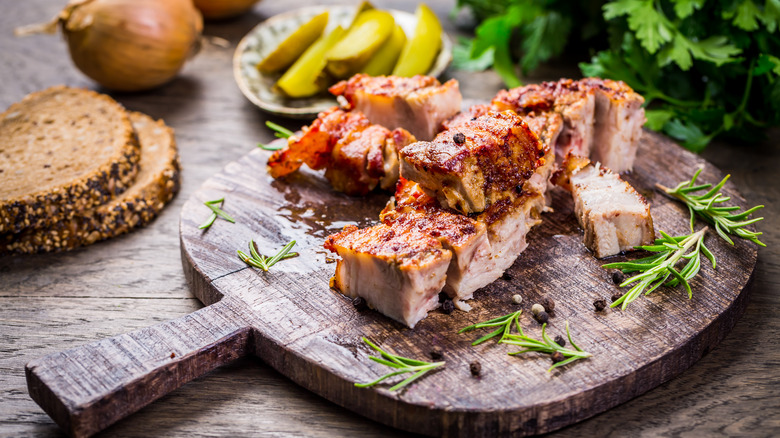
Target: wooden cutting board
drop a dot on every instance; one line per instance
(291, 318)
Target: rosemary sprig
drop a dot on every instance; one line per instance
(279, 132)
(724, 219)
(655, 270)
(402, 364)
(215, 211)
(504, 324)
(546, 345)
(260, 261)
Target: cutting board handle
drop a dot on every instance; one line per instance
(88, 388)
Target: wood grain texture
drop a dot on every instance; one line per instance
(50, 303)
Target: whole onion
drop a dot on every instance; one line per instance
(131, 45)
(218, 9)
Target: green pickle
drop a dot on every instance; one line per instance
(294, 45)
(420, 51)
(384, 59)
(307, 76)
(366, 35)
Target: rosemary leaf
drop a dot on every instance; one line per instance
(707, 206)
(654, 271)
(404, 365)
(265, 263)
(215, 211)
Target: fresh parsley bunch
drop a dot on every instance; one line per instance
(705, 67)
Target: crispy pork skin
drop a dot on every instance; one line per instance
(419, 104)
(398, 271)
(466, 238)
(619, 117)
(614, 216)
(476, 163)
(571, 99)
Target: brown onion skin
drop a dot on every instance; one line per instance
(220, 9)
(131, 45)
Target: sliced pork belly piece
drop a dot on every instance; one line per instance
(614, 216)
(547, 126)
(508, 223)
(618, 123)
(571, 99)
(363, 158)
(475, 163)
(357, 155)
(466, 238)
(398, 273)
(315, 145)
(419, 104)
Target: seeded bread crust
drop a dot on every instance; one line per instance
(158, 182)
(45, 207)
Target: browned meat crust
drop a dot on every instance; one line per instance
(476, 162)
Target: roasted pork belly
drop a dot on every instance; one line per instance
(466, 238)
(315, 145)
(614, 216)
(475, 163)
(357, 155)
(419, 104)
(547, 126)
(619, 117)
(508, 223)
(573, 101)
(399, 271)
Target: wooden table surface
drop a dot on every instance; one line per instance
(49, 303)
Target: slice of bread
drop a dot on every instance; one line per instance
(156, 184)
(62, 150)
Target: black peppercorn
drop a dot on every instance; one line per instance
(548, 304)
(560, 341)
(617, 296)
(542, 317)
(475, 368)
(506, 276)
(557, 357)
(459, 138)
(436, 353)
(599, 305)
(618, 277)
(359, 303)
(447, 306)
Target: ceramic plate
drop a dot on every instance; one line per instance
(258, 87)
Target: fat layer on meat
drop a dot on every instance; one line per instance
(475, 163)
(399, 272)
(619, 117)
(614, 216)
(419, 104)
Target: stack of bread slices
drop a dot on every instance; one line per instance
(77, 168)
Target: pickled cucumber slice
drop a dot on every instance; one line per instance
(384, 59)
(294, 45)
(419, 52)
(307, 77)
(367, 34)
